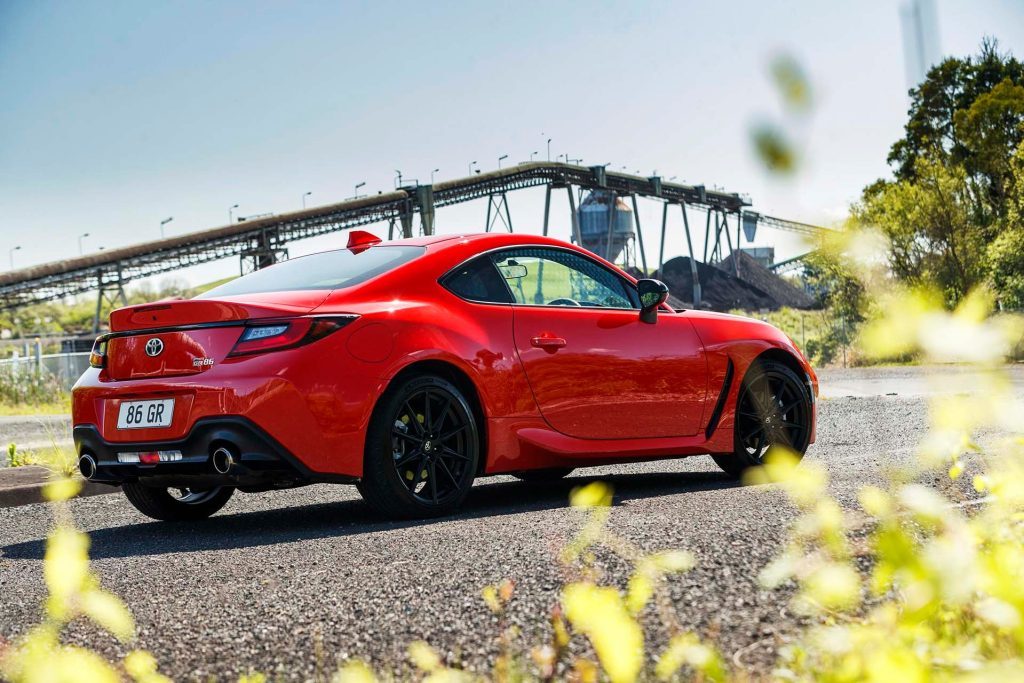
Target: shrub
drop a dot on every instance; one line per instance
(21, 386)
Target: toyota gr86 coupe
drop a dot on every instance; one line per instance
(409, 368)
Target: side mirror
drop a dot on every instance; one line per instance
(653, 293)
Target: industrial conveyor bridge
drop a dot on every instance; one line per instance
(263, 241)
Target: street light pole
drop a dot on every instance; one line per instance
(432, 175)
(231, 213)
(10, 254)
(356, 193)
(80, 238)
(502, 158)
(549, 149)
(398, 182)
(306, 194)
(471, 165)
(163, 223)
(532, 155)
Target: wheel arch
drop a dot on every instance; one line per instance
(457, 376)
(785, 358)
(794, 363)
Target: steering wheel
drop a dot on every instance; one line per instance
(564, 302)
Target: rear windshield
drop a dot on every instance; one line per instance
(325, 271)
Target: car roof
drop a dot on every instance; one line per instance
(481, 239)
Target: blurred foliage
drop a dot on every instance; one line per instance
(774, 142)
(792, 83)
(775, 149)
(74, 592)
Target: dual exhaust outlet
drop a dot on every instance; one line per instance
(222, 459)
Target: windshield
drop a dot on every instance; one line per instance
(325, 271)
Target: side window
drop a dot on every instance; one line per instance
(538, 276)
(478, 281)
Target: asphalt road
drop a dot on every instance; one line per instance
(276, 578)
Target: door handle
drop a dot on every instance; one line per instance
(547, 343)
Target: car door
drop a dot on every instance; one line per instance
(597, 371)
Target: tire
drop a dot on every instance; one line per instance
(773, 408)
(161, 504)
(545, 475)
(422, 450)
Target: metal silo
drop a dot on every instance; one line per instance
(606, 224)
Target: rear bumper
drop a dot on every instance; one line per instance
(259, 460)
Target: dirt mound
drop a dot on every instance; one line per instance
(753, 273)
(757, 287)
(720, 291)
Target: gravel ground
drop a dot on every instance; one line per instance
(276, 578)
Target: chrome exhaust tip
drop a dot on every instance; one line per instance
(223, 460)
(87, 466)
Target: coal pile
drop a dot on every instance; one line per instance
(780, 290)
(756, 289)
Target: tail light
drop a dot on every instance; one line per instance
(98, 355)
(277, 335)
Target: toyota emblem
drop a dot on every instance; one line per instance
(154, 347)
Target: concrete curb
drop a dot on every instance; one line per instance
(24, 486)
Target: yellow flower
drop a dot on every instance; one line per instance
(424, 656)
(141, 666)
(108, 611)
(686, 649)
(65, 568)
(834, 586)
(354, 672)
(490, 596)
(594, 494)
(62, 489)
(600, 614)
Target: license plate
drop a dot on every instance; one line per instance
(142, 414)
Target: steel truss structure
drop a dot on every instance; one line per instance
(263, 241)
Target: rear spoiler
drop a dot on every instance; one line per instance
(175, 313)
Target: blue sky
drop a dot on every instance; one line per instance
(116, 115)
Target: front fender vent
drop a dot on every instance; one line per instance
(716, 414)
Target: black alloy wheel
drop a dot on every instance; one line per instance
(422, 450)
(176, 504)
(773, 409)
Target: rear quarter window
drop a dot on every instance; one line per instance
(328, 270)
(479, 281)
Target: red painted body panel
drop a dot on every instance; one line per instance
(618, 390)
(616, 377)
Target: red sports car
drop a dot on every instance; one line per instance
(410, 368)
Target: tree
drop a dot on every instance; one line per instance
(1006, 252)
(949, 213)
(990, 130)
(932, 232)
(951, 86)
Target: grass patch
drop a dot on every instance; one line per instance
(62, 407)
(59, 459)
